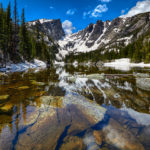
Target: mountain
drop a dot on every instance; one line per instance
(51, 28)
(107, 35)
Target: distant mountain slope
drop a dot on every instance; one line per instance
(108, 35)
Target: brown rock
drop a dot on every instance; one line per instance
(73, 143)
(98, 137)
(4, 97)
(120, 137)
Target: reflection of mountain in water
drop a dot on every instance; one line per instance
(65, 109)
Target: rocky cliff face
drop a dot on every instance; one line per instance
(107, 35)
(51, 28)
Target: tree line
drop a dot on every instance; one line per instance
(17, 43)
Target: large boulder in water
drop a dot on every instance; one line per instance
(56, 118)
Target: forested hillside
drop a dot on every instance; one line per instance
(17, 43)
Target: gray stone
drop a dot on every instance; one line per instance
(143, 83)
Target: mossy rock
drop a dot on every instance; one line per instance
(54, 101)
(33, 82)
(7, 108)
(39, 93)
(4, 97)
(23, 88)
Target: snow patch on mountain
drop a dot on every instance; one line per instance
(77, 43)
(40, 20)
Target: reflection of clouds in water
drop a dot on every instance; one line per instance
(141, 118)
(89, 140)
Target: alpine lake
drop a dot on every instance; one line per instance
(75, 108)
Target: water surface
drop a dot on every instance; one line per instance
(75, 108)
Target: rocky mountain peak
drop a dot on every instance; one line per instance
(50, 27)
(106, 35)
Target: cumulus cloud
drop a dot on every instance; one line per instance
(68, 27)
(71, 12)
(141, 7)
(97, 12)
(105, 1)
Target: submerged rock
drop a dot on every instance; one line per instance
(90, 142)
(7, 108)
(23, 87)
(33, 82)
(54, 101)
(57, 121)
(87, 107)
(120, 137)
(73, 143)
(143, 83)
(98, 137)
(4, 97)
(39, 93)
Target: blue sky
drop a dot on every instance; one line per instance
(78, 13)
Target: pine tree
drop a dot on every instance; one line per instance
(24, 43)
(1, 25)
(9, 29)
(15, 28)
(33, 44)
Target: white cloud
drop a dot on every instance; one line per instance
(105, 1)
(141, 7)
(85, 14)
(68, 27)
(97, 12)
(71, 12)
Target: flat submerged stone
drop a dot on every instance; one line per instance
(54, 101)
(23, 87)
(33, 82)
(89, 108)
(6, 108)
(4, 97)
